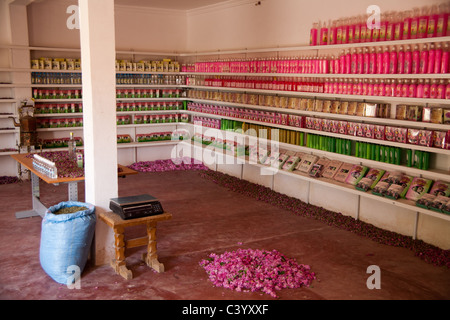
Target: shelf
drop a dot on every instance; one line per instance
(326, 75)
(58, 100)
(323, 47)
(56, 85)
(328, 95)
(329, 134)
(51, 115)
(150, 112)
(147, 144)
(9, 131)
(147, 125)
(381, 121)
(59, 129)
(150, 99)
(8, 100)
(149, 86)
(403, 203)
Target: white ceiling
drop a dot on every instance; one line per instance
(169, 4)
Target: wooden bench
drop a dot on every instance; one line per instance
(115, 222)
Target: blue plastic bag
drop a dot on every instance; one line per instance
(66, 240)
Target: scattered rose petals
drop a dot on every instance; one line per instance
(426, 252)
(168, 165)
(8, 180)
(256, 270)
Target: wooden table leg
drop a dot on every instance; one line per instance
(151, 257)
(119, 264)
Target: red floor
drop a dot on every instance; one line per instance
(208, 218)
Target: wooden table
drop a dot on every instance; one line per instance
(38, 208)
(115, 222)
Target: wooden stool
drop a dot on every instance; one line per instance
(115, 222)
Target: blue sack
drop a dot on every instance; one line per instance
(66, 240)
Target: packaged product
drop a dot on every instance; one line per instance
(336, 107)
(389, 133)
(343, 172)
(360, 109)
(359, 129)
(400, 112)
(398, 189)
(351, 107)
(327, 106)
(385, 182)
(447, 116)
(271, 158)
(342, 127)
(370, 109)
(413, 113)
(356, 173)
(440, 188)
(291, 163)
(436, 115)
(369, 130)
(331, 169)
(306, 163)
(318, 105)
(370, 180)
(438, 203)
(400, 135)
(352, 128)
(281, 159)
(379, 132)
(419, 187)
(446, 207)
(318, 167)
(425, 200)
(439, 139)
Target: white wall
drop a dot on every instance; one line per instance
(241, 24)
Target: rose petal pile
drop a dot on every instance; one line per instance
(168, 165)
(8, 180)
(421, 249)
(256, 270)
(67, 168)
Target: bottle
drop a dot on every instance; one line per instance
(390, 27)
(342, 62)
(445, 56)
(419, 92)
(344, 35)
(347, 62)
(363, 28)
(351, 30)
(437, 59)
(424, 59)
(332, 33)
(398, 27)
(405, 88)
(381, 88)
(72, 147)
(393, 61)
(366, 61)
(408, 60)
(379, 66)
(357, 30)
(407, 24)
(441, 90)
(415, 23)
(324, 34)
(433, 89)
(383, 26)
(432, 22)
(423, 23)
(401, 61)
(442, 20)
(431, 58)
(370, 90)
(412, 90)
(360, 61)
(426, 88)
(399, 88)
(415, 60)
(372, 61)
(313, 35)
(387, 88)
(339, 32)
(386, 56)
(447, 90)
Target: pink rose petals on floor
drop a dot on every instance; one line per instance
(167, 165)
(256, 270)
(8, 180)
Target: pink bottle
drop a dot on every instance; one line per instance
(345, 26)
(398, 27)
(313, 35)
(376, 87)
(370, 88)
(401, 61)
(431, 58)
(393, 61)
(354, 62)
(438, 59)
(339, 32)
(372, 61)
(424, 59)
(408, 60)
(426, 88)
(442, 21)
(432, 22)
(387, 88)
(332, 33)
(347, 62)
(342, 62)
(381, 88)
(415, 60)
(415, 23)
(360, 61)
(366, 61)
(386, 56)
(419, 92)
(441, 90)
(407, 24)
(447, 90)
(399, 88)
(423, 23)
(365, 88)
(323, 34)
(433, 89)
(390, 27)
(444, 64)
(412, 90)
(357, 31)
(351, 30)
(383, 26)
(379, 67)
(363, 29)
(405, 89)
(336, 68)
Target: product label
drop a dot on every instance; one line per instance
(414, 28)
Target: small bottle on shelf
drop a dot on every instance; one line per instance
(72, 147)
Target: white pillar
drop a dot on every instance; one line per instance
(98, 54)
